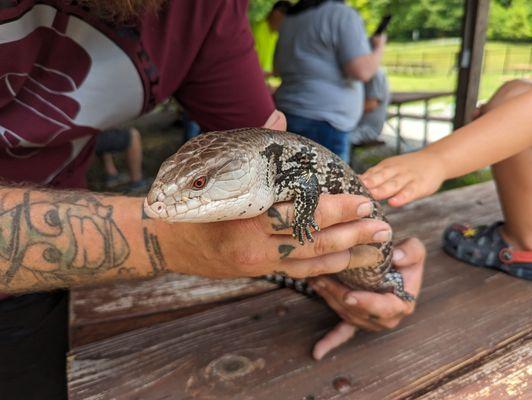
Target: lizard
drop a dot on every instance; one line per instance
(241, 173)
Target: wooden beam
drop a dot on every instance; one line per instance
(474, 26)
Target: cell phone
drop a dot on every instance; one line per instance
(382, 25)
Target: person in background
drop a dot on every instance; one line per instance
(323, 57)
(265, 33)
(377, 98)
(118, 141)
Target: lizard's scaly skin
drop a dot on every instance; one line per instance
(246, 171)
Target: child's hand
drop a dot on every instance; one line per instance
(404, 178)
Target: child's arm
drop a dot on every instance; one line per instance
(500, 133)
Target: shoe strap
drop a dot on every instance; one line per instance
(509, 256)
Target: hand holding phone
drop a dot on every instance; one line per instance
(382, 25)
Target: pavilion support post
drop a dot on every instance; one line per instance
(474, 26)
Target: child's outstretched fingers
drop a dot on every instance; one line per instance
(391, 187)
(404, 196)
(405, 178)
(377, 175)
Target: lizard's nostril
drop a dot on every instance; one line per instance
(158, 206)
(155, 210)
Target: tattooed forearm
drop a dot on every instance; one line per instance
(52, 240)
(278, 223)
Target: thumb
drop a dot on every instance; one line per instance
(276, 121)
(409, 251)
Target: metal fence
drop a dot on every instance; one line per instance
(509, 60)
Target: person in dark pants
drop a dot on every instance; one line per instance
(33, 344)
(69, 69)
(323, 57)
(114, 141)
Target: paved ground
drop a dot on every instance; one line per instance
(412, 130)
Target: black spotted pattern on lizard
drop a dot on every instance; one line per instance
(241, 173)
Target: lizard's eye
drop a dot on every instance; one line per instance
(199, 183)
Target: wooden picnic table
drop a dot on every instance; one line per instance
(470, 338)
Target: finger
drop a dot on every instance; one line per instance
(276, 121)
(331, 210)
(376, 177)
(408, 258)
(340, 334)
(333, 239)
(406, 195)
(381, 306)
(327, 264)
(391, 187)
(408, 252)
(334, 293)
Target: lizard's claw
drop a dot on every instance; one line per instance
(301, 230)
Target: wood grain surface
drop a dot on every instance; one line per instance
(259, 348)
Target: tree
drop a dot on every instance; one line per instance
(509, 19)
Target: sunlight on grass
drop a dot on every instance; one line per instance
(430, 65)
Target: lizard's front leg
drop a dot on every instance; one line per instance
(307, 190)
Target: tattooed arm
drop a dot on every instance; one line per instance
(52, 239)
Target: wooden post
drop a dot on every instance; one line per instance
(474, 25)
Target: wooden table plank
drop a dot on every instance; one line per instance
(506, 377)
(259, 348)
(169, 292)
(104, 311)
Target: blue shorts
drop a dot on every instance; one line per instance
(323, 133)
(113, 141)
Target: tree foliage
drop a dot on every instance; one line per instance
(428, 19)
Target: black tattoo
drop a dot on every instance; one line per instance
(280, 223)
(285, 250)
(153, 248)
(58, 238)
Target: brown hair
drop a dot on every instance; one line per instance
(121, 10)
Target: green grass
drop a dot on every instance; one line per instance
(479, 176)
(502, 62)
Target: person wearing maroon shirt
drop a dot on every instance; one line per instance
(69, 69)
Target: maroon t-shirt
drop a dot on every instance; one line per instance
(65, 75)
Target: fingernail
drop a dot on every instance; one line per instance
(364, 209)
(351, 300)
(398, 255)
(382, 236)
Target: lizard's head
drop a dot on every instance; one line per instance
(209, 179)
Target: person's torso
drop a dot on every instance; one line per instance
(313, 83)
(65, 75)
